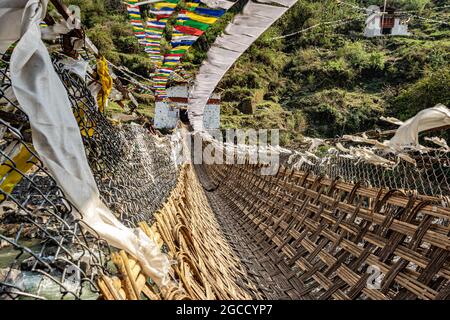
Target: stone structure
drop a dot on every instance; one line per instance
(167, 114)
(380, 23)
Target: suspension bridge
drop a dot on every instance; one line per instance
(90, 209)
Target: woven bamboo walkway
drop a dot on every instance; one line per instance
(205, 265)
(240, 235)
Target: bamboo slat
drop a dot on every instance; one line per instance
(235, 234)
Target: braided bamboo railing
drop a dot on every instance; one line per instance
(298, 236)
(320, 236)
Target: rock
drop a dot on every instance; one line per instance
(10, 229)
(247, 106)
(28, 263)
(4, 244)
(7, 207)
(9, 275)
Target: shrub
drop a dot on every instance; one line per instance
(240, 78)
(236, 94)
(411, 63)
(425, 93)
(102, 38)
(144, 98)
(403, 4)
(356, 55)
(247, 106)
(339, 70)
(127, 44)
(137, 63)
(334, 112)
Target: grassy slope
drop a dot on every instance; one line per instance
(324, 82)
(331, 81)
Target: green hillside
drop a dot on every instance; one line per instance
(326, 81)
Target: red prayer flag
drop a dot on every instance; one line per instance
(189, 30)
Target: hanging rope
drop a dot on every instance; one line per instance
(332, 23)
(431, 20)
(434, 8)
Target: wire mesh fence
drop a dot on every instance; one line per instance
(134, 170)
(45, 253)
(427, 173)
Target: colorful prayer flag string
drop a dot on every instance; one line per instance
(190, 24)
(136, 20)
(161, 11)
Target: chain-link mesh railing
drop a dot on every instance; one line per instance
(44, 251)
(428, 172)
(133, 169)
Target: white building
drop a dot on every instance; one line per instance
(387, 23)
(168, 114)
